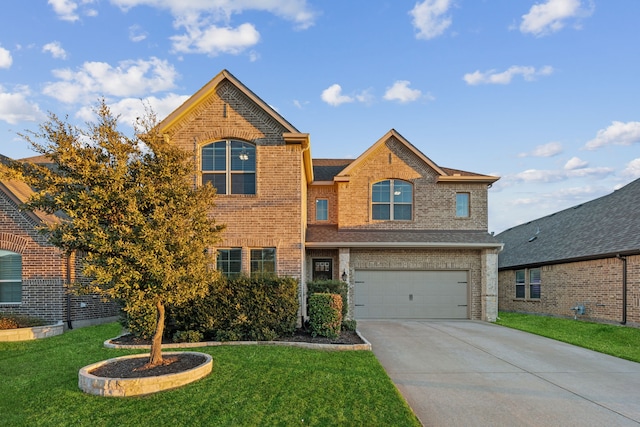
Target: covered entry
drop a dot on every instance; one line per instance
(411, 294)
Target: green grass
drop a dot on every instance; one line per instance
(615, 340)
(249, 386)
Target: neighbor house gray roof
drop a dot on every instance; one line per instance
(324, 236)
(607, 226)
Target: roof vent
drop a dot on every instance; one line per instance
(533, 238)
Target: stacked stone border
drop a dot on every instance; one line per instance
(33, 333)
(125, 387)
(336, 347)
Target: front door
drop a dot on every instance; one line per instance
(322, 269)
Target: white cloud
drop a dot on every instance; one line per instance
(137, 34)
(206, 23)
(67, 10)
(430, 19)
(55, 49)
(5, 58)
(575, 163)
(94, 79)
(401, 92)
(505, 77)
(129, 109)
(546, 150)
(618, 133)
(633, 169)
(550, 16)
(547, 176)
(213, 40)
(15, 106)
(334, 97)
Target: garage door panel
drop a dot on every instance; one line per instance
(411, 294)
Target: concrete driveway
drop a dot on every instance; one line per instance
(466, 373)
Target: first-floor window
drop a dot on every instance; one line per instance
(520, 284)
(10, 277)
(229, 261)
(263, 261)
(528, 283)
(534, 283)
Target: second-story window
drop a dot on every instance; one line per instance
(230, 166)
(392, 200)
(462, 205)
(322, 209)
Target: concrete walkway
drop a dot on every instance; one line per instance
(466, 373)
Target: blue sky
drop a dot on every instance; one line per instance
(543, 93)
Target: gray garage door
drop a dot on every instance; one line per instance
(411, 295)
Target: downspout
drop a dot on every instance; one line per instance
(69, 293)
(624, 288)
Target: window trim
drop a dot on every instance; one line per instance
(14, 280)
(325, 210)
(527, 284)
(468, 204)
(229, 173)
(392, 203)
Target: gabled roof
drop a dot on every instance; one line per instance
(19, 192)
(604, 227)
(329, 236)
(444, 174)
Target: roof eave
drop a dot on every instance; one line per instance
(435, 245)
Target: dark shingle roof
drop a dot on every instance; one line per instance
(326, 169)
(605, 226)
(326, 235)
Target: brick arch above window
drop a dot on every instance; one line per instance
(228, 133)
(13, 243)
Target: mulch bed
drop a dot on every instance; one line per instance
(135, 368)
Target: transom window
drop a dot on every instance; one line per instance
(230, 166)
(229, 261)
(10, 277)
(263, 261)
(392, 200)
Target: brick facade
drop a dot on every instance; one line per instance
(44, 273)
(596, 284)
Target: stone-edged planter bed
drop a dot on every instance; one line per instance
(320, 344)
(92, 381)
(33, 333)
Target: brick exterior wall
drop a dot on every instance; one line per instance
(597, 284)
(275, 215)
(44, 272)
(434, 203)
(327, 192)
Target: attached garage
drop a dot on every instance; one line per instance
(411, 294)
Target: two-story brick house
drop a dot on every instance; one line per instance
(410, 237)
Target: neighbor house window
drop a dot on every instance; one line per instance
(392, 200)
(520, 284)
(263, 261)
(230, 166)
(534, 283)
(462, 205)
(322, 209)
(229, 261)
(10, 277)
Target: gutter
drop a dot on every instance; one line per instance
(404, 245)
(624, 288)
(69, 325)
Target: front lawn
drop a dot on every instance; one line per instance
(616, 340)
(249, 386)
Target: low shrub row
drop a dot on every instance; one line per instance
(11, 321)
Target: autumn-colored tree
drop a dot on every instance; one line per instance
(130, 206)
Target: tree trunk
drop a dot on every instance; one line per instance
(155, 358)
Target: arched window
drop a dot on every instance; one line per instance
(230, 166)
(392, 200)
(10, 277)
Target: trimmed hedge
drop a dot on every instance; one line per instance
(325, 315)
(242, 308)
(331, 287)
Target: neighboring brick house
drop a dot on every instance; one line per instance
(409, 237)
(580, 262)
(33, 273)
